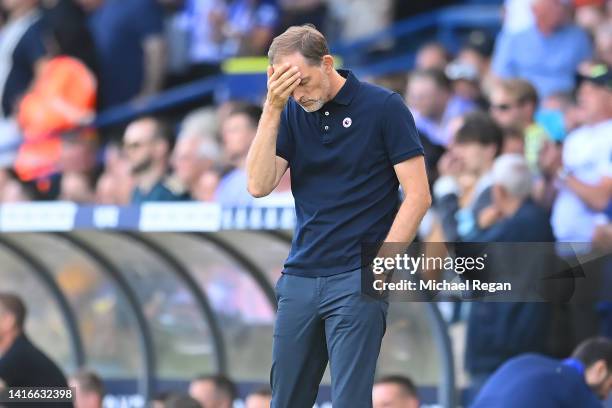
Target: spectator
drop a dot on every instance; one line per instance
(498, 331)
(106, 191)
(182, 401)
(203, 22)
(515, 217)
(79, 157)
(13, 190)
(603, 43)
(147, 144)
(433, 105)
(79, 153)
(586, 173)
(395, 391)
(194, 154)
(89, 389)
(206, 186)
(476, 51)
(213, 391)
(237, 132)
(532, 380)
(432, 56)
(76, 187)
(115, 185)
(261, 398)
(128, 35)
(513, 102)
(22, 364)
(552, 34)
(22, 48)
(249, 27)
(62, 96)
(464, 77)
(463, 190)
(203, 122)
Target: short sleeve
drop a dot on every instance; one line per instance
(399, 131)
(284, 140)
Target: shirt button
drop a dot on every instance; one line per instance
(326, 113)
(326, 127)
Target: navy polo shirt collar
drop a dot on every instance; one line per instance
(348, 90)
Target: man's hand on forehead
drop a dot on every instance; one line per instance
(280, 69)
(282, 81)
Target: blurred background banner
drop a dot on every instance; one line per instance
(152, 216)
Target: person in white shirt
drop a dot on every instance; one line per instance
(585, 176)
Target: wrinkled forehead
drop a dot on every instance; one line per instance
(295, 59)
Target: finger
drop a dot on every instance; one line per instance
(287, 92)
(290, 85)
(287, 75)
(276, 74)
(280, 85)
(278, 71)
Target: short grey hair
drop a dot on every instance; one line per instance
(305, 39)
(511, 172)
(202, 122)
(209, 149)
(202, 125)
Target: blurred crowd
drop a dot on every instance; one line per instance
(62, 61)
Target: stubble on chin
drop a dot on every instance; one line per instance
(313, 107)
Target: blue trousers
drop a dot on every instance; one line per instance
(319, 320)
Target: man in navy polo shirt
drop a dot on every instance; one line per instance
(349, 145)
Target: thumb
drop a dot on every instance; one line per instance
(270, 71)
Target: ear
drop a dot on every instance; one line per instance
(597, 372)
(328, 63)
